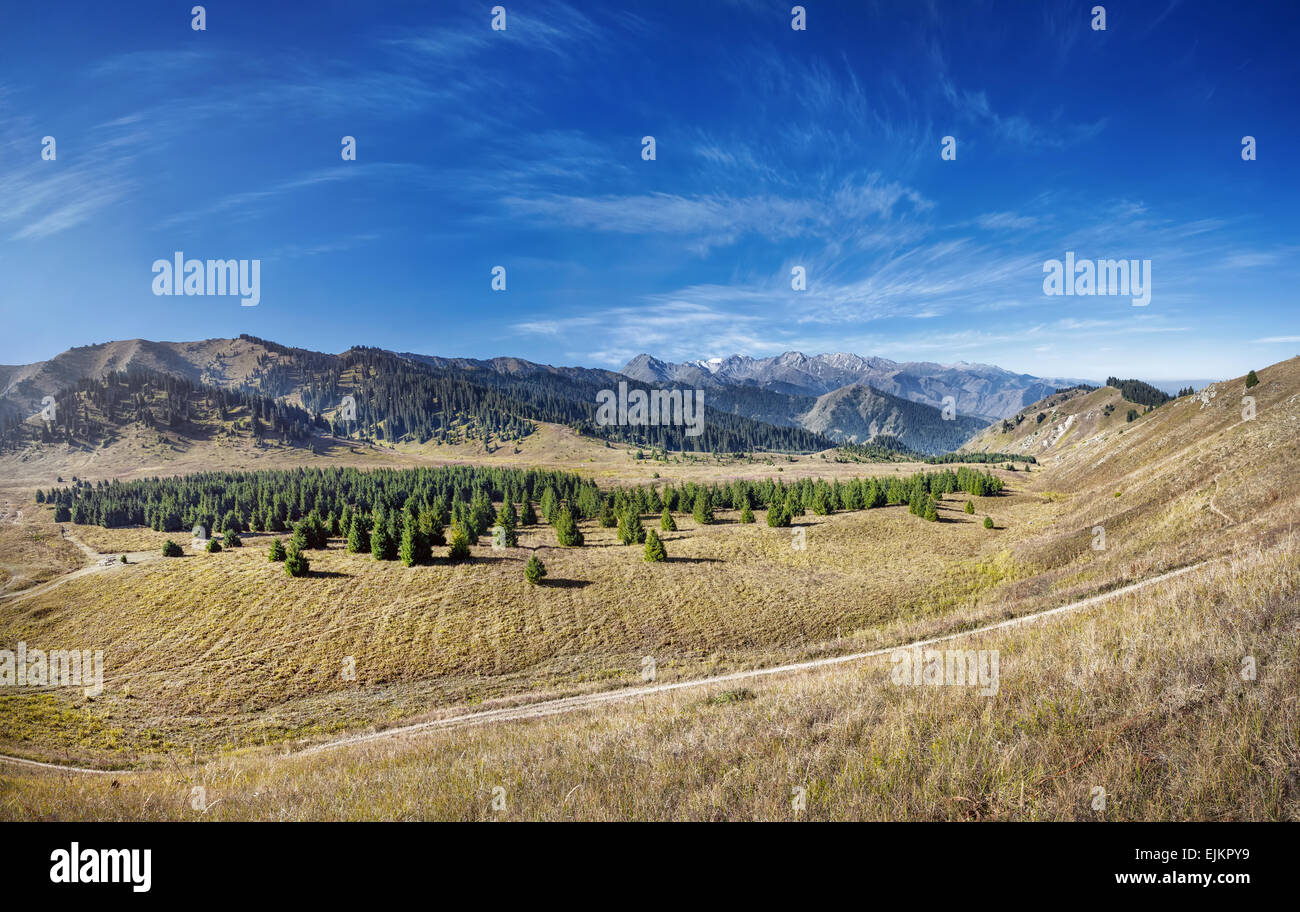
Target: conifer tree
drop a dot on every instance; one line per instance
(793, 506)
(550, 505)
(481, 514)
(528, 517)
(358, 535)
(654, 548)
(295, 564)
(534, 570)
(666, 522)
(414, 548)
(970, 507)
(630, 530)
(703, 510)
(1252, 380)
(566, 528)
(382, 546)
(508, 520)
(747, 514)
(778, 516)
(820, 501)
(458, 550)
(607, 518)
(276, 551)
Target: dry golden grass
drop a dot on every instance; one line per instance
(219, 652)
(31, 549)
(120, 541)
(1141, 697)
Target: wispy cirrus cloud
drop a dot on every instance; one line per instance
(39, 198)
(252, 203)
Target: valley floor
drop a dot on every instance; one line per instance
(1135, 710)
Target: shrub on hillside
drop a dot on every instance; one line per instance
(171, 549)
(988, 522)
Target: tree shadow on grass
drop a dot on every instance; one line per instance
(564, 583)
(328, 574)
(693, 560)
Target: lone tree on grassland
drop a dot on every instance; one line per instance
(654, 548)
(171, 549)
(295, 564)
(1252, 380)
(988, 522)
(534, 570)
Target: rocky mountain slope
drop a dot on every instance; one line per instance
(980, 390)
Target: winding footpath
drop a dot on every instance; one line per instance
(587, 701)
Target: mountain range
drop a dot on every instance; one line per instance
(978, 390)
(792, 402)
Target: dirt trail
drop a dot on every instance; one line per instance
(1225, 516)
(102, 562)
(586, 701)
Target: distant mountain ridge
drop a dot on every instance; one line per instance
(979, 390)
(406, 397)
(793, 403)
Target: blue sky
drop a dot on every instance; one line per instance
(775, 148)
